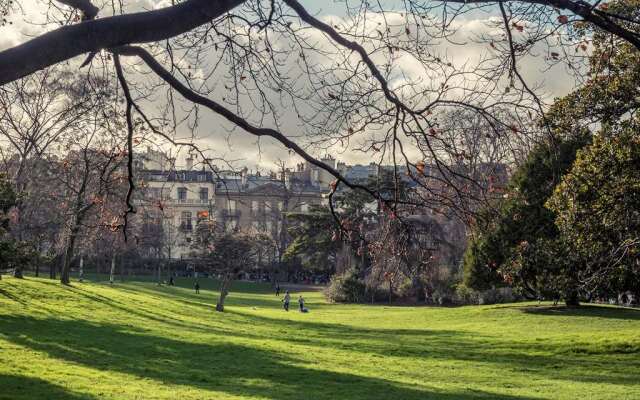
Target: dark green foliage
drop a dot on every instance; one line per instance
(346, 288)
(313, 244)
(480, 272)
(598, 211)
(12, 253)
(520, 218)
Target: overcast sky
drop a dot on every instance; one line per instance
(216, 134)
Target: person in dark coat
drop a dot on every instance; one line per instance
(285, 300)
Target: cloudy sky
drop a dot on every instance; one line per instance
(245, 149)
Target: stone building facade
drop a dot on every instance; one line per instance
(178, 198)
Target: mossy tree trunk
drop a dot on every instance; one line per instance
(224, 291)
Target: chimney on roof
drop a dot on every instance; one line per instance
(243, 176)
(189, 163)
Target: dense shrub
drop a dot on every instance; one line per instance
(466, 296)
(346, 288)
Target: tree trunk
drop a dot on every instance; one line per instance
(571, 299)
(37, 269)
(224, 291)
(121, 271)
(68, 256)
(52, 268)
(113, 269)
(81, 272)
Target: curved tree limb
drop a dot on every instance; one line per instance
(89, 11)
(151, 26)
(190, 95)
(129, 99)
(70, 41)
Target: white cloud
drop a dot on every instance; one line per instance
(223, 140)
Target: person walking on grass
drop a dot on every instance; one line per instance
(285, 300)
(197, 287)
(301, 303)
(277, 289)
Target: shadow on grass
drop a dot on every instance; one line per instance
(227, 367)
(14, 387)
(10, 296)
(614, 363)
(184, 282)
(145, 312)
(586, 310)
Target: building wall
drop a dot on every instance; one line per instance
(181, 204)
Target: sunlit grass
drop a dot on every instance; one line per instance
(136, 340)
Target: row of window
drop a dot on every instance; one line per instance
(203, 196)
(186, 222)
(163, 193)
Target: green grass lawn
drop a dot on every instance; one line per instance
(140, 341)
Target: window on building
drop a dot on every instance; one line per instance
(185, 221)
(182, 194)
(280, 205)
(204, 194)
(254, 206)
(154, 193)
(269, 226)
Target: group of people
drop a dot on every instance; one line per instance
(286, 299)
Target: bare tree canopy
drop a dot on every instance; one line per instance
(313, 83)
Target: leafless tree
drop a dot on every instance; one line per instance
(89, 178)
(344, 81)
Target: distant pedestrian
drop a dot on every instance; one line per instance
(197, 287)
(171, 281)
(301, 303)
(286, 300)
(277, 289)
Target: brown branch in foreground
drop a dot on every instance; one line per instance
(233, 118)
(89, 11)
(93, 35)
(89, 36)
(127, 95)
(514, 68)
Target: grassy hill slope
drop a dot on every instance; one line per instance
(140, 341)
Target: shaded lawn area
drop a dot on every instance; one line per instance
(136, 340)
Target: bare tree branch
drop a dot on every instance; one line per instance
(70, 41)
